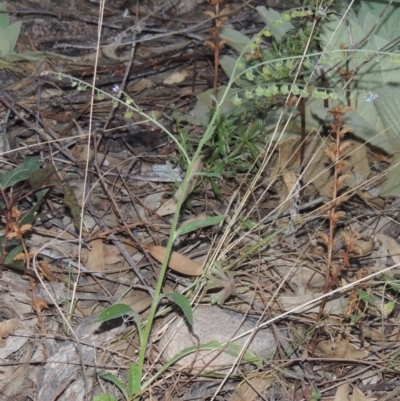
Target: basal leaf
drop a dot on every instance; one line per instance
(235, 39)
(5, 45)
(4, 17)
(375, 120)
(134, 379)
(13, 32)
(21, 173)
(104, 397)
(391, 187)
(113, 379)
(228, 64)
(197, 224)
(115, 311)
(182, 302)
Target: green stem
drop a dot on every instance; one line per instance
(174, 225)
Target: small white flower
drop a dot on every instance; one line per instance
(371, 97)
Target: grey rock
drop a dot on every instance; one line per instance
(214, 323)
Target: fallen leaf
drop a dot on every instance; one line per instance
(250, 389)
(177, 262)
(176, 77)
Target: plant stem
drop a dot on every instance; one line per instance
(174, 225)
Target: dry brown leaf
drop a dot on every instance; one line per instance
(46, 271)
(141, 85)
(289, 179)
(342, 349)
(289, 151)
(177, 262)
(8, 327)
(176, 77)
(81, 153)
(250, 389)
(394, 250)
(94, 257)
(341, 392)
(358, 395)
(112, 255)
(138, 301)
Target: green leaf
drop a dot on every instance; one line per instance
(269, 17)
(200, 115)
(115, 311)
(21, 173)
(393, 284)
(4, 17)
(104, 397)
(389, 27)
(195, 225)
(235, 39)
(134, 379)
(228, 64)
(182, 302)
(9, 259)
(210, 346)
(249, 356)
(29, 217)
(113, 379)
(391, 187)
(13, 33)
(375, 122)
(5, 45)
(215, 188)
(364, 296)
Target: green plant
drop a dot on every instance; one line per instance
(267, 79)
(17, 185)
(315, 56)
(135, 385)
(8, 33)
